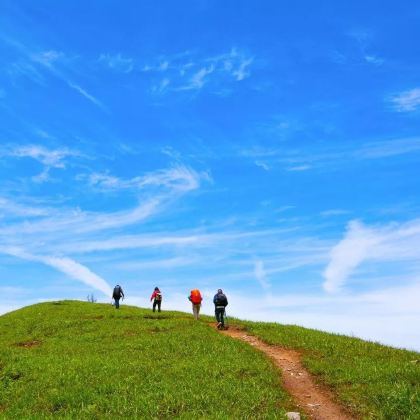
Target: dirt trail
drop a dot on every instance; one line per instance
(314, 400)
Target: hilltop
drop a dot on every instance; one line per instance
(83, 359)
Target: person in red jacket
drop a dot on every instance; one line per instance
(196, 299)
(157, 299)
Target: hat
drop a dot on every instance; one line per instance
(219, 291)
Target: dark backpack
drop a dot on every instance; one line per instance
(117, 292)
(221, 300)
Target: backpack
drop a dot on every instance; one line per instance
(221, 300)
(158, 296)
(116, 294)
(196, 296)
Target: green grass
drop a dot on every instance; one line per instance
(374, 381)
(85, 360)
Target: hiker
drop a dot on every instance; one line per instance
(220, 302)
(117, 294)
(196, 299)
(157, 299)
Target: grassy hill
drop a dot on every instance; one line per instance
(85, 360)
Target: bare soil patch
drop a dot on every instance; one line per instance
(29, 344)
(314, 400)
(156, 317)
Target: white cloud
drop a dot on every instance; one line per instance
(262, 165)
(348, 254)
(47, 58)
(87, 95)
(385, 244)
(407, 101)
(298, 160)
(242, 71)
(52, 158)
(389, 148)
(373, 59)
(117, 62)
(162, 86)
(190, 72)
(334, 212)
(299, 168)
(11, 208)
(178, 178)
(67, 266)
(261, 275)
(198, 79)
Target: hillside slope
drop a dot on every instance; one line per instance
(89, 360)
(85, 360)
(373, 381)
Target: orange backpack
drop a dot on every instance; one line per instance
(196, 296)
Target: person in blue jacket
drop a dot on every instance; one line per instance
(220, 302)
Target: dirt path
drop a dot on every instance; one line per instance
(314, 400)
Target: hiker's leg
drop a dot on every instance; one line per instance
(216, 312)
(154, 306)
(117, 303)
(198, 310)
(159, 303)
(222, 319)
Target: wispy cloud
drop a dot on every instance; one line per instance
(162, 86)
(47, 58)
(407, 101)
(35, 65)
(11, 208)
(67, 266)
(198, 79)
(299, 168)
(87, 95)
(242, 72)
(334, 212)
(192, 72)
(373, 59)
(177, 178)
(262, 165)
(53, 158)
(50, 158)
(117, 62)
(261, 275)
(389, 243)
(348, 254)
(297, 160)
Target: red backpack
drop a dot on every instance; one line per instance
(196, 296)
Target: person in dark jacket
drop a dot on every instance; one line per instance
(157, 299)
(220, 302)
(117, 294)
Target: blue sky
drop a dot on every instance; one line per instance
(267, 148)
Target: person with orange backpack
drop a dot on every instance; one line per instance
(157, 299)
(196, 299)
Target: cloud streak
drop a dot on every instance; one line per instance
(407, 101)
(385, 244)
(87, 95)
(67, 266)
(261, 275)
